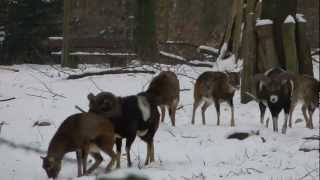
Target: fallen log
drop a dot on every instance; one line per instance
(181, 60)
(78, 76)
(9, 69)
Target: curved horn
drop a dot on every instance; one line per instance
(261, 77)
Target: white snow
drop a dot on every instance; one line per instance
(173, 42)
(263, 22)
(208, 48)
(55, 38)
(173, 56)
(222, 51)
(79, 53)
(193, 152)
(2, 35)
(300, 18)
(289, 19)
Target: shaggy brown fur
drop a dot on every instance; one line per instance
(165, 88)
(82, 133)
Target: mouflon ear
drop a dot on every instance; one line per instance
(91, 97)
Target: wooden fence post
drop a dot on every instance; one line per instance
(67, 60)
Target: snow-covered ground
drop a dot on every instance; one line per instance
(191, 152)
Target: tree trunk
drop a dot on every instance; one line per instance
(67, 60)
(267, 56)
(237, 30)
(145, 36)
(289, 44)
(277, 11)
(4, 45)
(258, 9)
(303, 47)
(224, 46)
(249, 59)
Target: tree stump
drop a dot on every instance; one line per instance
(267, 56)
(289, 45)
(303, 47)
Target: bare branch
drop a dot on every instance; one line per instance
(190, 77)
(78, 76)
(49, 90)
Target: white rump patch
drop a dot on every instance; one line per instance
(208, 100)
(117, 136)
(94, 148)
(231, 89)
(144, 107)
(264, 102)
(274, 98)
(142, 132)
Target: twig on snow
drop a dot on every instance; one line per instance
(189, 137)
(8, 99)
(95, 84)
(253, 169)
(170, 132)
(41, 72)
(41, 123)
(187, 76)
(36, 96)
(48, 89)
(315, 137)
(308, 174)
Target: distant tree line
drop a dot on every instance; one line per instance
(26, 25)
